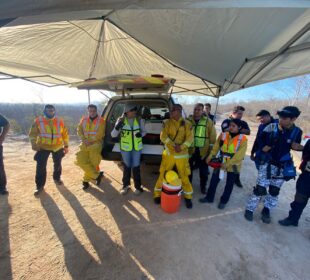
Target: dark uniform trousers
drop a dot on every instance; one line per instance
(41, 158)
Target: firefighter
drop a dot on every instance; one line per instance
(302, 194)
(278, 166)
(48, 135)
(177, 137)
(131, 129)
(204, 138)
(91, 131)
(237, 113)
(230, 148)
(5, 126)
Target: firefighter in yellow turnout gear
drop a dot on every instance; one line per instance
(91, 131)
(177, 137)
(48, 135)
(204, 138)
(230, 148)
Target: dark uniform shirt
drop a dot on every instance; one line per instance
(226, 122)
(280, 143)
(3, 121)
(258, 143)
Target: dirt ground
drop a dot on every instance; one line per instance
(68, 233)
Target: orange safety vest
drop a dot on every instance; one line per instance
(90, 129)
(50, 135)
(229, 150)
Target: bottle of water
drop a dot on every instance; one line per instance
(221, 176)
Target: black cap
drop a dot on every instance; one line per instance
(289, 112)
(263, 113)
(49, 106)
(237, 122)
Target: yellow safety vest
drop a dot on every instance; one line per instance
(129, 141)
(229, 150)
(90, 128)
(50, 134)
(200, 133)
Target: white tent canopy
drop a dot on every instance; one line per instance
(209, 47)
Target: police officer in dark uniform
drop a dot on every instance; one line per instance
(302, 194)
(264, 117)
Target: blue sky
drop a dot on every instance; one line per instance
(19, 91)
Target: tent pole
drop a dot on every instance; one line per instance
(88, 96)
(282, 50)
(217, 103)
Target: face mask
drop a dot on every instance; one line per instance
(49, 116)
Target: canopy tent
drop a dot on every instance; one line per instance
(209, 47)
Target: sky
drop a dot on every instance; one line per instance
(20, 91)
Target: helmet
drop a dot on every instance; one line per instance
(171, 176)
(176, 182)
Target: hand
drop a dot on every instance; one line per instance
(297, 147)
(252, 157)
(138, 135)
(266, 149)
(35, 147)
(119, 124)
(224, 166)
(87, 142)
(208, 160)
(177, 148)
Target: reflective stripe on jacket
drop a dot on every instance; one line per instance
(129, 141)
(50, 134)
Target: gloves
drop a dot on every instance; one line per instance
(138, 135)
(119, 124)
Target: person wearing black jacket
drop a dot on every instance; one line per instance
(302, 194)
(264, 117)
(4, 126)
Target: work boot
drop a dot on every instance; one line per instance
(58, 182)
(38, 191)
(86, 185)
(138, 191)
(3, 191)
(221, 205)
(248, 215)
(157, 200)
(188, 203)
(288, 222)
(205, 200)
(124, 190)
(266, 215)
(99, 178)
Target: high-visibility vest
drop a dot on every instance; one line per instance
(129, 141)
(50, 135)
(228, 150)
(200, 133)
(90, 128)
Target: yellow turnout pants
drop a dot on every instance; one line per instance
(88, 159)
(182, 164)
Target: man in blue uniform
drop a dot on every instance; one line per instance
(302, 194)
(264, 117)
(4, 128)
(278, 140)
